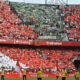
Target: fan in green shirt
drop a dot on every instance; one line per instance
(57, 74)
(64, 73)
(39, 75)
(77, 74)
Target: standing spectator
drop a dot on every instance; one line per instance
(64, 72)
(2, 73)
(39, 75)
(24, 74)
(57, 74)
(77, 75)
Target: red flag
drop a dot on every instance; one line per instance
(57, 65)
(18, 68)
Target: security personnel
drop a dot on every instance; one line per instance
(39, 75)
(77, 75)
(64, 73)
(57, 74)
(24, 74)
(2, 74)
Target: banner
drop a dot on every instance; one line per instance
(16, 41)
(35, 75)
(40, 42)
(57, 43)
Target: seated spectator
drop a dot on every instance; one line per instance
(10, 27)
(41, 57)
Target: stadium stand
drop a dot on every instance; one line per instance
(47, 26)
(11, 26)
(37, 13)
(42, 58)
(45, 20)
(60, 23)
(71, 17)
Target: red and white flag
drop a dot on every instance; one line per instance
(57, 66)
(18, 68)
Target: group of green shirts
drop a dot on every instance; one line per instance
(39, 73)
(64, 74)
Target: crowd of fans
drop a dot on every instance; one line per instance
(43, 58)
(46, 17)
(11, 26)
(71, 17)
(37, 14)
(50, 16)
(14, 15)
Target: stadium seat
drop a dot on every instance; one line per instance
(71, 16)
